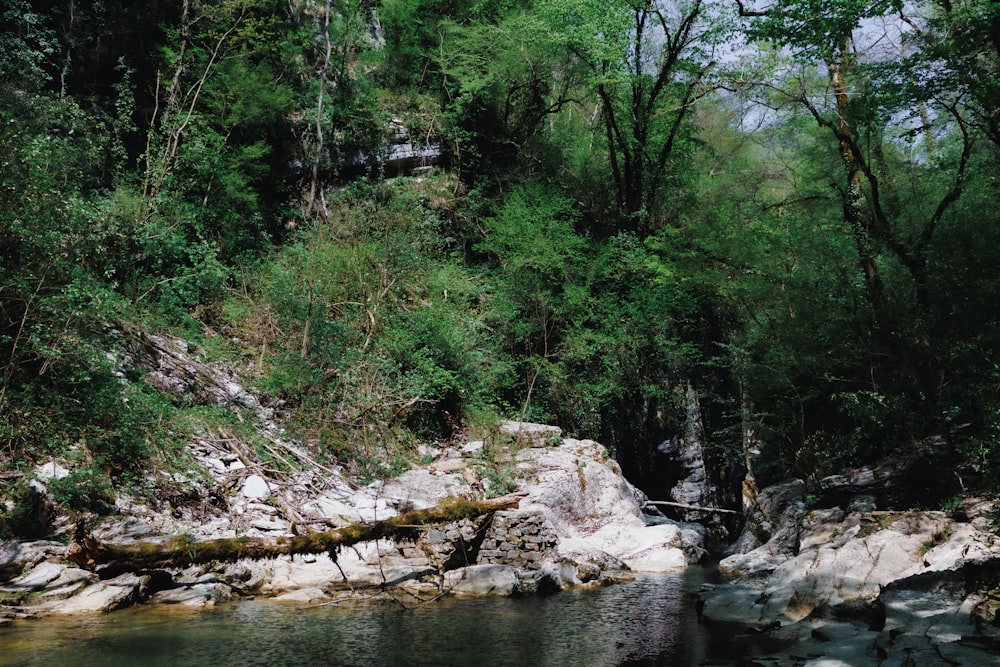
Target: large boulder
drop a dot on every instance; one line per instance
(866, 587)
(529, 434)
(206, 594)
(772, 524)
(592, 507)
(482, 580)
(122, 591)
(17, 558)
(421, 488)
(854, 564)
(907, 479)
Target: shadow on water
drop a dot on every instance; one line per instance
(650, 621)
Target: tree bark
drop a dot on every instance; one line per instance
(177, 552)
(855, 213)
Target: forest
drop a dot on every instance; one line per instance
(784, 212)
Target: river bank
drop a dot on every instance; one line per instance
(860, 586)
(843, 576)
(579, 523)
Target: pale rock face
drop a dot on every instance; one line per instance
(593, 508)
(422, 487)
(285, 574)
(105, 596)
(865, 588)
(51, 470)
(831, 571)
(303, 595)
(19, 557)
(773, 522)
(38, 578)
(339, 511)
(271, 524)
(246, 576)
(69, 582)
(195, 595)
(256, 487)
(576, 488)
(860, 568)
(480, 580)
(473, 447)
(535, 435)
(366, 564)
(592, 520)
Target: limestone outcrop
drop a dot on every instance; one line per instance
(856, 586)
(579, 523)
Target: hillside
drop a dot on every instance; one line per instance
(333, 236)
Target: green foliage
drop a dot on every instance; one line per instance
(505, 76)
(594, 329)
(87, 490)
(817, 29)
(628, 231)
(380, 329)
(533, 236)
(415, 32)
(29, 48)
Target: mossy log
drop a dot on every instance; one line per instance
(92, 554)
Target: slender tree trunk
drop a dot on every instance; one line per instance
(317, 159)
(855, 206)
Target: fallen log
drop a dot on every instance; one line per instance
(182, 551)
(684, 506)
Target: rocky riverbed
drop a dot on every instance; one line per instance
(579, 523)
(837, 579)
(853, 585)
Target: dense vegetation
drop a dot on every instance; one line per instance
(791, 210)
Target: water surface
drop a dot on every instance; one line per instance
(649, 621)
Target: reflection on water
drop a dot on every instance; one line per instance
(650, 621)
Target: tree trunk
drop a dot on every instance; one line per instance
(177, 552)
(855, 206)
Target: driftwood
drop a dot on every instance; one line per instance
(88, 552)
(683, 506)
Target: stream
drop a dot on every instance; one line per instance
(649, 621)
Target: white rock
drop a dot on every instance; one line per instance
(286, 574)
(196, 595)
(105, 596)
(593, 508)
(311, 594)
(392, 572)
(256, 488)
(216, 465)
(641, 548)
(271, 524)
(39, 577)
(238, 394)
(69, 582)
(421, 489)
(332, 508)
(536, 435)
(483, 580)
(51, 470)
(473, 447)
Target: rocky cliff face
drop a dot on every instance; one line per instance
(579, 523)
